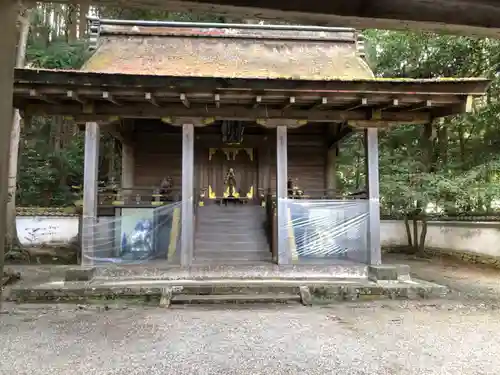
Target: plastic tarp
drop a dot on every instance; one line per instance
(138, 235)
(334, 229)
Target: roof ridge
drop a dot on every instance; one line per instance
(242, 26)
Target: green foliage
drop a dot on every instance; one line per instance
(57, 55)
(457, 169)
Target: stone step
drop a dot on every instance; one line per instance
(244, 236)
(229, 227)
(236, 298)
(237, 231)
(231, 255)
(231, 246)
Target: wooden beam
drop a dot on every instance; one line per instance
(185, 101)
(466, 106)
(419, 106)
(106, 95)
(76, 80)
(291, 101)
(74, 96)
(384, 106)
(225, 112)
(88, 108)
(344, 131)
(258, 100)
(320, 104)
(362, 103)
(151, 99)
(36, 95)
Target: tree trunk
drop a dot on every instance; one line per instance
(408, 231)
(11, 234)
(71, 23)
(82, 24)
(423, 235)
(415, 234)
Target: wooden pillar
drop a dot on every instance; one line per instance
(8, 18)
(330, 172)
(284, 255)
(187, 231)
(90, 183)
(128, 165)
(372, 184)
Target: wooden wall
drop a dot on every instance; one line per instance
(306, 158)
(158, 153)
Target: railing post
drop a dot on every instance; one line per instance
(372, 183)
(187, 230)
(284, 256)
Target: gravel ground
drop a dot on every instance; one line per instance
(435, 337)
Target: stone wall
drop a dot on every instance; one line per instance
(47, 230)
(476, 242)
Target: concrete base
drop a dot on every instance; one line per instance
(230, 290)
(387, 272)
(80, 274)
(271, 283)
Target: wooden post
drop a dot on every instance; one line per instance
(372, 184)
(284, 255)
(330, 171)
(127, 165)
(187, 231)
(8, 18)
(90, 176)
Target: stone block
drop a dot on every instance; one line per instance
(305, 295)
(382, 272)
(166, 297)
(403, 272)
(80, 274)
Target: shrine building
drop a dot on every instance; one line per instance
(229, 136)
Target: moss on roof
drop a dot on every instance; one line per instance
(227, 57)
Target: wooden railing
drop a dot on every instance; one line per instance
(327, 194)
(136, 196)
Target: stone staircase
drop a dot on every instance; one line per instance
(232, 234)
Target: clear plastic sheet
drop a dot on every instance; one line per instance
(139, 235)
(333, 229)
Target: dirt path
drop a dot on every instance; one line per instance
(469, 281)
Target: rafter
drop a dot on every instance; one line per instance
(106, 95)
(151, 99)
(184, 100)
(258, 100)
(291, 101)
(362, 103)
(74, 96)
